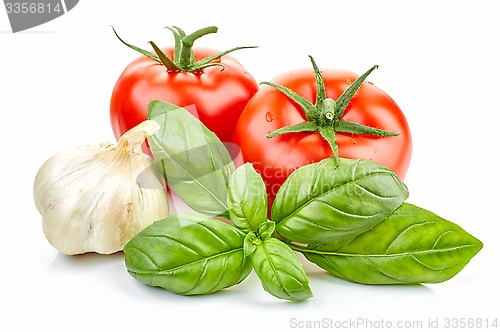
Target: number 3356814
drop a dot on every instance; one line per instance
(32, 8)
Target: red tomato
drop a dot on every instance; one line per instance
(275, 158)
(215, 94)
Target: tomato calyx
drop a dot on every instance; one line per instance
(183, 59)
(325, 116)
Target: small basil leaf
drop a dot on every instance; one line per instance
(188, 254)
(247, 198)
(250, 243)
(412, 245)
(266, 229)
(280, 271)
(194, 161)
(323, 202)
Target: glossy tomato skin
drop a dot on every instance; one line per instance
(217, 97)
(275, 158)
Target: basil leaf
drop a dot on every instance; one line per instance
(194, 161)
(266, 229)
(412, 245)
(251, 242)
(247, 198)
(188, 254)
(280, 271)
(322, 202)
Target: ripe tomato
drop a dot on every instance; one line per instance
(216, 93)
(374, 114)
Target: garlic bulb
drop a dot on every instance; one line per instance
(97, 197)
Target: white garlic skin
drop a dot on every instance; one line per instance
(96, 198)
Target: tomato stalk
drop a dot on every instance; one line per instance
(325, 116)
(183, 59)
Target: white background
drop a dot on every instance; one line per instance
(438, 60)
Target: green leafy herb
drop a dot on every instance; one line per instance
(280, 271)
(247, 198)
(255, 239)
(251, 242)
(412, 245)
(346, 216)
(325, 202)
(194, 161)
(188, 254)
(266, 229)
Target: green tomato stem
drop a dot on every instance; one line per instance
(325, 117)
(164, 59)
(347, 95)
(183, 59)
(186, 56)
(327, 112)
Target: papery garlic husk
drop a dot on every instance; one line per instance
(97, 197)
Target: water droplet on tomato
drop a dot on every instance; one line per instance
(269, 117)
(353, 141)
(348, 81)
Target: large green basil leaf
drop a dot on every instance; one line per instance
(412, 245)
(247, 198)
(280, 271)
(323, 202)
(188, 254)
(194, 161)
